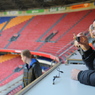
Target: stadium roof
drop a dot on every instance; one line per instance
(6, 5)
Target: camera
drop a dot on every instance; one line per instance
(78, 39)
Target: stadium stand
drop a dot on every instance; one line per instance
(17, 20)
(12, 61)
(41, 26)
(32, 33)
(34, 30)
(65, 34)
(2, 25)
(6, 34)
(71, 19)
(6, 57)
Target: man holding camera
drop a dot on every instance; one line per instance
(86, 77)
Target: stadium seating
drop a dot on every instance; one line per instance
(65, 34)
(34, 30)
(35, 33)
(2, 25)
(8, 33)
(6, 57)
(7, 67)
(17, 20)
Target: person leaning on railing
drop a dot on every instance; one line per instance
(86, 77)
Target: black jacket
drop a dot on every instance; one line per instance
(88, 76)
(30, 74)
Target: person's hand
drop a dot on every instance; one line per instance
(76, 44)
(83, 43)
(74, 74)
